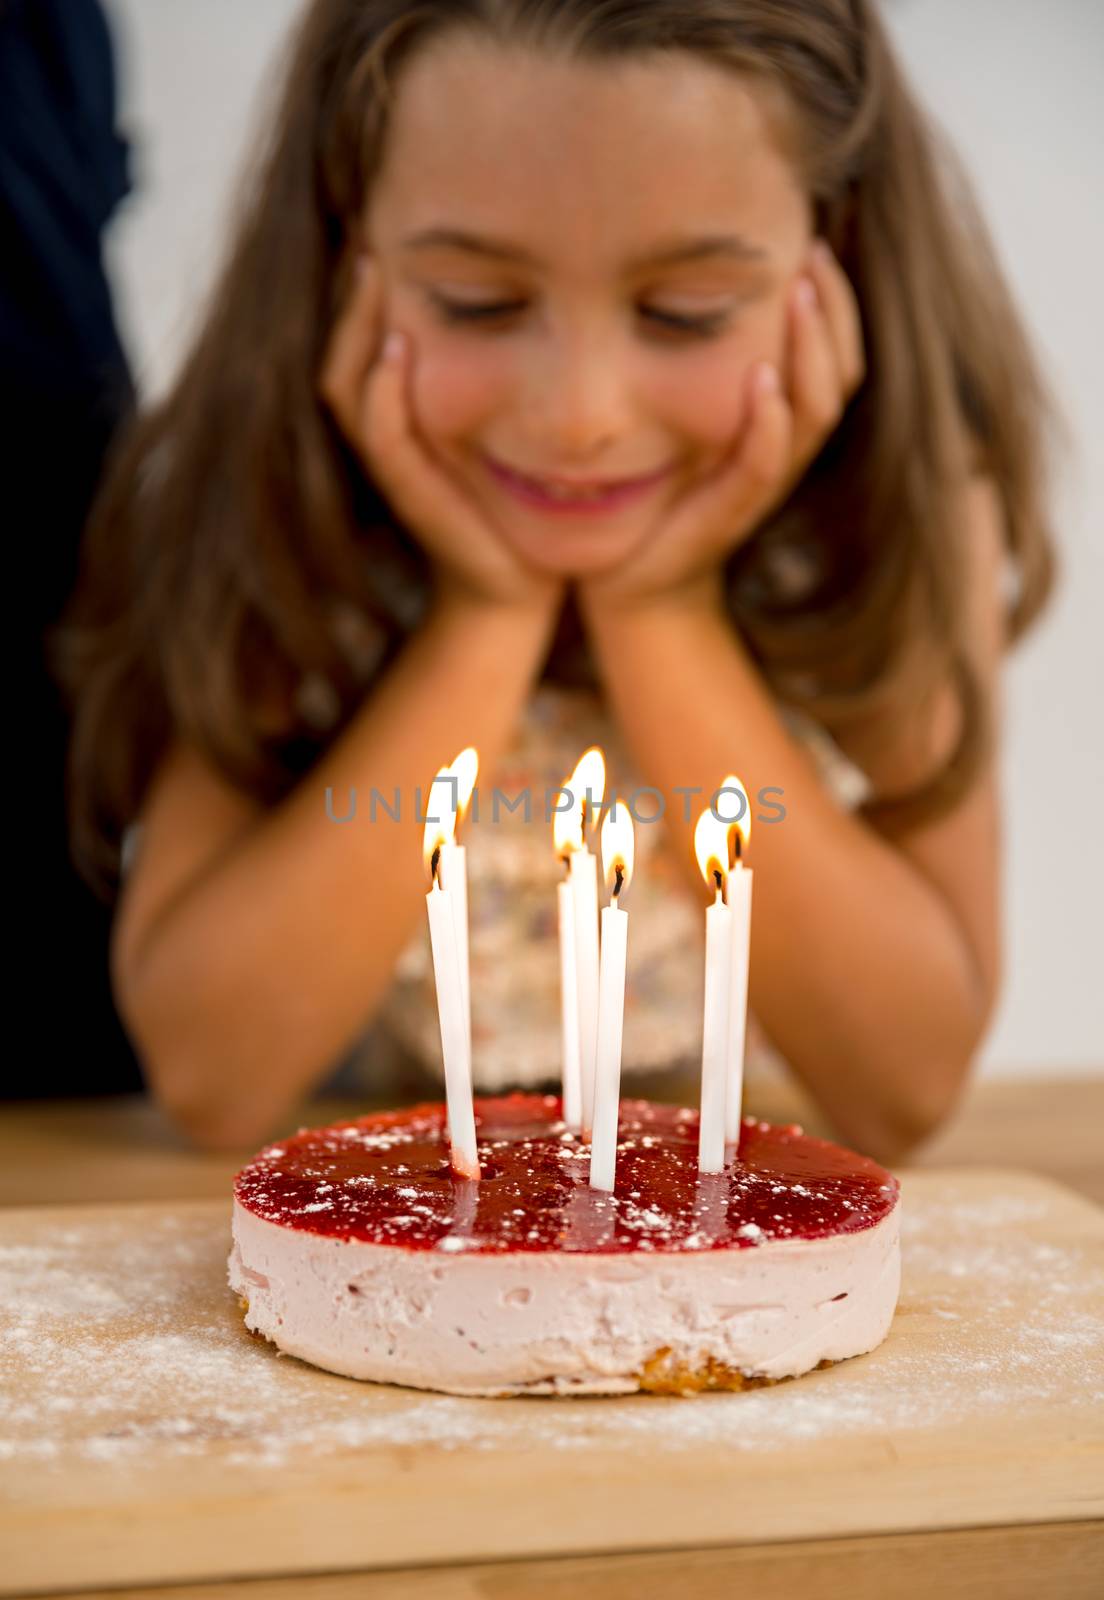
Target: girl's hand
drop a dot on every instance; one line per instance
(781, 436)
(366, 388)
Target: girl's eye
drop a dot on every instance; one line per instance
(466, 311)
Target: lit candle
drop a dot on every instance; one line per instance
(455, 1030)
(459, 781)
(738, 897)
(711, 849)
(617, 863)
(584, 882)
(569, 1007)
(586, 787)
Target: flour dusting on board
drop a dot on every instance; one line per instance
(120, 1344)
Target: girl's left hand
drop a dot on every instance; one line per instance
(782, 435)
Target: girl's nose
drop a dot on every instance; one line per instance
(577, 404)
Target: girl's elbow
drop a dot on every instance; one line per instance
(198, 1090)
(913, 1127)
(892, 1137)
(941, 1088)
(942, 1082)
(213, 1126)
(896, 1130)
(212, 1108)
(204, 1106)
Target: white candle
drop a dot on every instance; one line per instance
(617, 859)
(738, 888)
(569, 1007)
(585, 786)
(455, 1046)
(611, 1010)
(739, 904)
(711, 849)
(718, 957)
(584, 885)
(455, 784)
(453, 873)
(447, 908)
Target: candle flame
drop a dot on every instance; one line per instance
(569, 825)
(465, 769)
(617, 848)
(440, 825)
(449, 797)
(739, 826)
(711, 848)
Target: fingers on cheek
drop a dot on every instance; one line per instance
(769, 439)
(848, 337)
(352, 349)
(818, 397)
(337, 381)
(381, 415)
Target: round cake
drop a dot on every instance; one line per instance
(359, 1249)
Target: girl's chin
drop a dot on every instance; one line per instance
(566, 552)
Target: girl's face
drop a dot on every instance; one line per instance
(557, 342)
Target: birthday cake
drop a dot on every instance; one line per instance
(358, 1248)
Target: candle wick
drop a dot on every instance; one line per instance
(435, 862)
(619, 880)
(738, 841)
(718, 878)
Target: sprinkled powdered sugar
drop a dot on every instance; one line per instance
(119, 1343)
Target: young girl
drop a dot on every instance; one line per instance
(500, 252)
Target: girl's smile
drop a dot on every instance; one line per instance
(583, 499)
(578, 534)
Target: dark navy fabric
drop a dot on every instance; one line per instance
(63, 170)
(64, 388)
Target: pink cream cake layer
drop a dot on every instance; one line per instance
(358, 1250)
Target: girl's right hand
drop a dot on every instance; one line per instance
(366, 388)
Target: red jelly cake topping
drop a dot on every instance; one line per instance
(386, 1179)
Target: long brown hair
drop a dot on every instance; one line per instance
(234, 529)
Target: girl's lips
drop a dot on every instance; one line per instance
(532, 494)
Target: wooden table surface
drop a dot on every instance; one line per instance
(70, 1152)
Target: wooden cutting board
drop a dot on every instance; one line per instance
(145, 1437)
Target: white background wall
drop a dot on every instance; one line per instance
(1017, 85)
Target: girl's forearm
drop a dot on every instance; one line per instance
(860, 974)
(267, 968)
